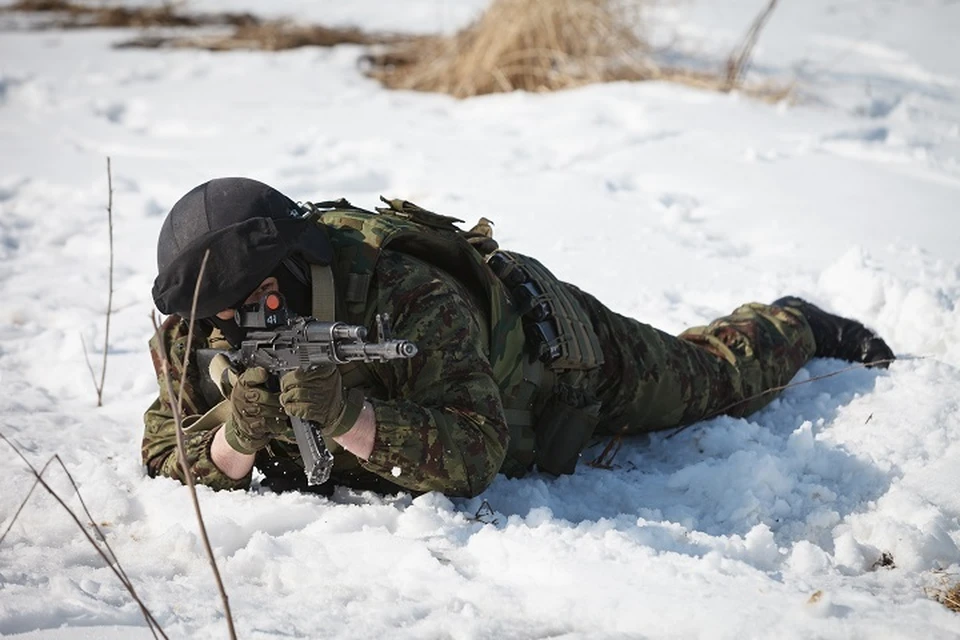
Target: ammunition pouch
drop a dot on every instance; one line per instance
(554, 322)
(564, 350)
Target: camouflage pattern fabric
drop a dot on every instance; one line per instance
(159, 446)
(440, 415)
(440, 422)
(651, 380)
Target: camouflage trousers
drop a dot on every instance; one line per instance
(651, 380)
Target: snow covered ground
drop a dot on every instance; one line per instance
(672, 204)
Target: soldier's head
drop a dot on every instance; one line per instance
(256, 236)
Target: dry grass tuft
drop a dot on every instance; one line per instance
(541, 45)
(947, 592)
(533, 45)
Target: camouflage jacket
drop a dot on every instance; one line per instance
(440, 418)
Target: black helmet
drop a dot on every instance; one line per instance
(249, 228)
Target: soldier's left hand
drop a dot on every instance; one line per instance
(318, 396)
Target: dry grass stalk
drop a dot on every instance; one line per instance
(731, 407)
(265, 36)
(177, 408)
(605, 460)
(249, 32)
(739, 59)
(772, 92)
(533, 45)
(78, 15)
(609, 453)
(947, 592)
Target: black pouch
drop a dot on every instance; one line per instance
(564, 428)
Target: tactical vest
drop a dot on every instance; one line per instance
(539, 340)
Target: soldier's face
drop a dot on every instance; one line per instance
(270, 284)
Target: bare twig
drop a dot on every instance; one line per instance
(739, 58)
(181, 444)
(605, 459)
(112, 561)
(485, 514)
(106, 334)
(93, 375)
(16, 515)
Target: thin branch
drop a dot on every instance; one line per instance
(106, 334)
(86, 356)
(16, 515)
(90, 518)
(606, 457)
(485, 514)
(112, 562)
(859, 365)
(102, 537)
(177, 408)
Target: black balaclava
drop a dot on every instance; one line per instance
(249, 228)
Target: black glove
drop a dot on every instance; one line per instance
(318, 396)
(257, 416)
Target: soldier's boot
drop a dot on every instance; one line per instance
(839, 337)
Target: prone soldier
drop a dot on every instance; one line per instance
(514, 370)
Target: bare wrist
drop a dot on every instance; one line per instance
(234, 464)
(359, 440)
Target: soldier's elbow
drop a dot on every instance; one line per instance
(481, 477)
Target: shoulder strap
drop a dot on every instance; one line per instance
(324, 294)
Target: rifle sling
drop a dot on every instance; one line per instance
(212, 419)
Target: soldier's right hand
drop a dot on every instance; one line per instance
(256, 416)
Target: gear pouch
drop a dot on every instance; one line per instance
(563, 430)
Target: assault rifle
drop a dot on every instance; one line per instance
(280, 341)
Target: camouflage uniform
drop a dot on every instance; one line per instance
(651, 380)
(441, 419)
